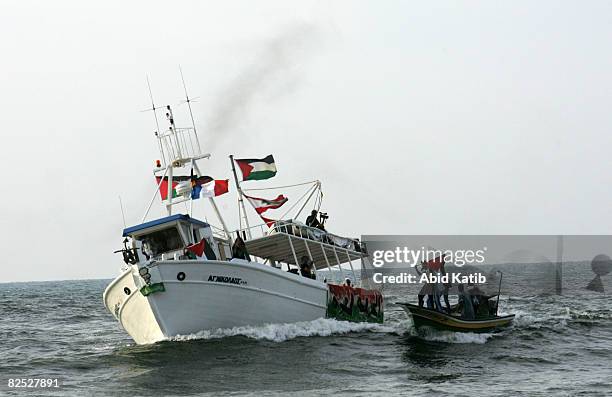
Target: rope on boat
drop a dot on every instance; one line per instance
(280, 187)
(312, 189)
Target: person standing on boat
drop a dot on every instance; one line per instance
(432, 290)
(239, 249)
(468, 308)
(306, 267)
(312, 220)
(426, 289)
(445, 287)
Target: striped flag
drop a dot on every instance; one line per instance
(261, 205)
(209, 188)
(257, 169)
(203, 186)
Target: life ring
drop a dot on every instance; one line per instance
(180, 276)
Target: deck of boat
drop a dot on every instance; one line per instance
(289, 248)
(289, 241)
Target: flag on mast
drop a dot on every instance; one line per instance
(163, 185)
(261, 205)
(257, 169)
(203, 186)
(269, 222)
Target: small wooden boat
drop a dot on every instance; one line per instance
(428, 317)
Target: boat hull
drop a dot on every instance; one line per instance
(196, 295)
(423, 317)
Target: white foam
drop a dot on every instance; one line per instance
(451, 337)
(531, 320)
(283, 332)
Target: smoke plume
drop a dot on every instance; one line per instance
(272, 74)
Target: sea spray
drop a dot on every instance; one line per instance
(283, 332)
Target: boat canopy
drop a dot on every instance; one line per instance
(289, 241)
(168, 219)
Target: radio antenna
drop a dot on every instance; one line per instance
(190, 112)
(122, 212)
(154, 109)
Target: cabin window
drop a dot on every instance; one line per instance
(162, 241)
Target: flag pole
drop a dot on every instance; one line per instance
(240, 199)
(214, 205)
(225, 229)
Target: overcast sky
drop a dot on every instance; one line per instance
(418, 117)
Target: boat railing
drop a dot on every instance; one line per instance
(179, 143)
(218, 232)
(298, 229)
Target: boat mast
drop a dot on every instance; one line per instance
(240, 199)
(154, 109)
(179, 148)
(190, 112)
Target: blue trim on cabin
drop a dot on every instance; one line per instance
(161, 221)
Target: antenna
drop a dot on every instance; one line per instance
(190, 112)
(122, 212)
(154, 109)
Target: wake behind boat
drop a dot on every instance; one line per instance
(183, 275)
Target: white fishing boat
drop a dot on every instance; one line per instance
(183, 275)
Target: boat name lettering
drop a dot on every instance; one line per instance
(226, 279)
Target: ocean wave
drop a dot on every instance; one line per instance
(434, 335)
(533, 320)
(283, 332)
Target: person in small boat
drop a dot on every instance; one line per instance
(479, 299)
(435, 297)
(426, 290)
(465, 301)
(239, 249)
(447, 287)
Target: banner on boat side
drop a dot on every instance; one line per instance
(354, 304)
(515, 265)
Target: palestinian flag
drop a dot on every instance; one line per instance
(205, 186)
(257, 169)
(262, 205)
(202, 248)
(176, 181)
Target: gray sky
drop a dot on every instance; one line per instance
(453, 117)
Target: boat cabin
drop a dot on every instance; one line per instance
(167, 238)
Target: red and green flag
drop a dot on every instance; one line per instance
(257, 169)
(176, 181)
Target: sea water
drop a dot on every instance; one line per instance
(557, 345)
